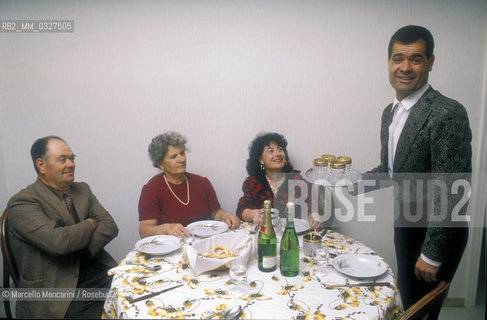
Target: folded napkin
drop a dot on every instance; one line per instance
(239, 243)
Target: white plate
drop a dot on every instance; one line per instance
(360, 265)
(207, 228)
(307, 174)
(158, 245)
(300, 225)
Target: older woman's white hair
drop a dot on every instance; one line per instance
(159, 145)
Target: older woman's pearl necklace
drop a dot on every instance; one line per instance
(175, 196)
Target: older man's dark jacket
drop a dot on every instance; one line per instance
(46, 242)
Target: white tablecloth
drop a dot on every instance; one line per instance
(271, 295)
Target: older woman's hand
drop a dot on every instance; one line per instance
(176, 229)
(150, 228)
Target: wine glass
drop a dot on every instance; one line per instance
(238, 276)
(276, 223)
(321, 256)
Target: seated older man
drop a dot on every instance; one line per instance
(57, 233)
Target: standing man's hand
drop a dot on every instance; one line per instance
(425, 271)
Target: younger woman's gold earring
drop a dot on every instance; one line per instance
(262, 167)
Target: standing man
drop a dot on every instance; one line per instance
(57, 231)
(423, 135)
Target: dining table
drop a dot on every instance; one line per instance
(149, 286)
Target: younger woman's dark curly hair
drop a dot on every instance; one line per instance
(256, 148)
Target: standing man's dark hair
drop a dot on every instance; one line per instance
(410, 34)
(39, 149)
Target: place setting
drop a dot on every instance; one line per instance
(352, 270)
(360, 265)
(342, 270)
(158, 245)
(207, 228)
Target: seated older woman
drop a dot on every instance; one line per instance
(269, 172)
(175, 198)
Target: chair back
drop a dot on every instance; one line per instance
(430, 302)
(9, 268)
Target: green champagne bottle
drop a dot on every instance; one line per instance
(267, 242)
(289, 264)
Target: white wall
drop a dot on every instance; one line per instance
(219, 72)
